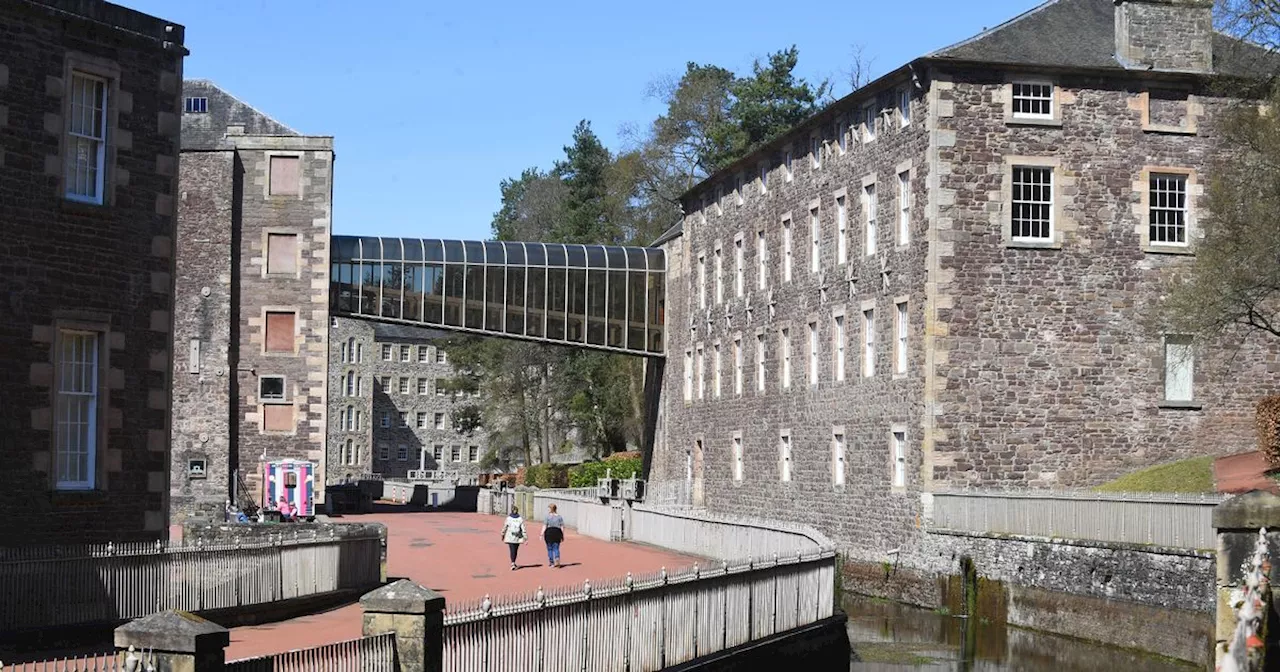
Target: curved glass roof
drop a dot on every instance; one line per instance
(549, 255)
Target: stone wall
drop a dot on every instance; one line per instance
(1166, 34)
(210, 534)
(104, 269)
(351, 353)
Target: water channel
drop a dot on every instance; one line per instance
(893, 637)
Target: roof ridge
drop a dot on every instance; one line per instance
(242, 101)
(993, 29)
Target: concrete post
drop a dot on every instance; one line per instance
(174, 641)
(416, 615)
(1238, 522)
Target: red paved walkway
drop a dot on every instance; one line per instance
(1242, 473)
(461, 556)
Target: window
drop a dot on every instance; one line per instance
(837, 458)
(762, 262)
(442, 357)
(1179, 368)
(719, 276)
(455, 453)
(359, 352)
(784, 457)
(702, 374)
(899, 459)
(386, 352)
(473, 453)
(702, 281)
(904, 207)
(437, 451)
(842, 134)
(404, 353)
(423, 354)
(384, 452)
(422, 386)
(764, 178)
(280, 332)
(786, 358)
(422, 420)
(869, 114)
(739, 272)
(278, 418)
(815, 152)
(404, 419)
(350, 423)
(737, 366)
(439, 420)
(737, 457)
(813, 353)
(737, 189)
(193, 105)
(838, 341)
(786, 250)
(439, 390)
(1168, 209)
(347, 452)
(688, 375)
(869, 207)
(78, 408)
(815, 241)
(868, 343)
(282, 253)
(87, 141)
(345, 358)
(1032, 100)
(284, 176)
(351, 384)
(719, 199)
(715, 372)
(1032, 203)
(900, 338)
(904, 106)
(386, 418)
(842, 231)
(404, 385)
(271, 388)
(385, 383)
(787, 173)
(402, 453)
(359, 425)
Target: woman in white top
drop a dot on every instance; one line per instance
(513, 534)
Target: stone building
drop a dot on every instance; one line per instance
(391, 413)
(252, 314)
(940, 280)
(89, 102)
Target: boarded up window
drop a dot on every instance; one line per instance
(284, 176)
(280, 332)
(282, 253)
(277, 418)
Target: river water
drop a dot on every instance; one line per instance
(896, 638)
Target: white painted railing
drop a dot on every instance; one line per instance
(644, 623)
(367, 654)
(67, 585)
(718, 535)
(1177, 521)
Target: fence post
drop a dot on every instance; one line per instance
(173, 640)
(1239, 522)
(416, 615)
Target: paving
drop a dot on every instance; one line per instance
(1244, 472)
(462, 557)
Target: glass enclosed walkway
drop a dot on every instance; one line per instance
(594, 296)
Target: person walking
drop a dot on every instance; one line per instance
(513, 534)
(553, 534)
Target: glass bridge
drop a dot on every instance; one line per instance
(592, 296)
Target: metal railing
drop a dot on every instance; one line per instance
(367, 654)
(1176, 521)
(92, 662)
(719, 535)
(645, 623)
(68, 585)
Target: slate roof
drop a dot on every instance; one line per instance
(1081, 34)
(206, 130)
(405, 332)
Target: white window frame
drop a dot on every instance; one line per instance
(76, 188)
(737, 457)
(420, 421)
(688, 375)
(904, 207)
(402, 453)
(406, 353)
(424, 387)
(439, 420)
(1156, 206)
(764, 178)
(386, 352)
(77, 409)
(1028, 84)
(739, 272)
(839, 452)
(815, 240)
(384, 453)
(898, 444)
(784, 456)
(901, 325)
(350, 387)
(787, 173)
(702, 281)
(762, 261)
(904, 106)
(403, 385)
(787, 249)
(737, 366)
(868, 342)
(1015, 201)
(870, 113)
(718, 256)
(870, 206)
(842, 133)
(424, 355)
(716, 386)
(815, 350)
(1179, 369)
(815, 152)
(838, 340)
(701, 364)
(386, 419)
(359, 353)
(842, 227)
(785, 335)
(761, 363)
(404, 419)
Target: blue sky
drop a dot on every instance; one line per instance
(433, 103)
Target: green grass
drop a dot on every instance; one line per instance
(1193, 475)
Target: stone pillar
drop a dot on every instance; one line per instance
(1238, 522)
(174, 641)
(416, 615)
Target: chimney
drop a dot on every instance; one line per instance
(1171, 35)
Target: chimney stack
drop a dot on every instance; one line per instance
(1169, 35)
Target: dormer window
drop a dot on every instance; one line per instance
(194, 105)
(1033, 100)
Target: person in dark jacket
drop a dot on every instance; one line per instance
(553, 534)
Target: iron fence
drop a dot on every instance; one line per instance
(367, 654)
(1177, 521)
(644, 623)
(68, 585)
(109, 661)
